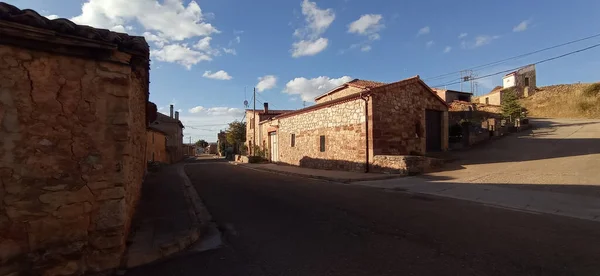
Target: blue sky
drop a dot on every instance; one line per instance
(206, 53)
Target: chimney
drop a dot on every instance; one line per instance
(171, 111)
(176, 115)
(266, 107)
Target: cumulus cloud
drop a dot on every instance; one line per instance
(365, 48)
(447, 49)
(181, 54)
(205, 122)
(522, 26)
(219, 75)
(310, 40)
(230, 51)
(216, 111)
(429, 43)
(166, 24)
(309, 47)
(462, 35)
(478, 41)
(423, 31)
(265, 83)
(308, 89)
(368, 24)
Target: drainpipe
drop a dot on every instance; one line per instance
(366, 99)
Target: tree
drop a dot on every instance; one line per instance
(511, 108)
(236, 134)
(201, 143)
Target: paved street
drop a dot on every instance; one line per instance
(282, 225)
(560, 155)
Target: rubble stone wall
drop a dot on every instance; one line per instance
(399, 119)
(338, 94)
(71, 159)
(343, 126)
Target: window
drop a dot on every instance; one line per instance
(252, 124)
(487, 100)
(293, 140)
(322, 143)
(526, 81)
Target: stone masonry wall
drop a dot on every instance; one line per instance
(343, 126)
(338, 94)
(156, 143)
(71, 159)
(398, 119)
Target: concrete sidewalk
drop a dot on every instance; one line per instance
(337, 176)
(535, 201)
(169, 218)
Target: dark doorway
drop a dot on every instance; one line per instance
(433, 130)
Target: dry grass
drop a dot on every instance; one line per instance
(565, 101)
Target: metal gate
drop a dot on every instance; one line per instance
(433, 130)
(274, 151)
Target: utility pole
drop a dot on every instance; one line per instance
(254, 122)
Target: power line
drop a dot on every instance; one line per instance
(514, 57)
(510, 70)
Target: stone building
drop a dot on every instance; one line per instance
(380, 127)
(172, 126)
(522, 81)
(156, 145)
(253, 118)
(452, 95)
(73, 124)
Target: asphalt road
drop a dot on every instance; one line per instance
(281, 225)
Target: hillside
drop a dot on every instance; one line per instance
(565, 101)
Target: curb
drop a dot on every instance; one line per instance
(144, 253)
(318, 177)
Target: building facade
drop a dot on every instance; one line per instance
(174, 130)
(253, 119)
(523, 81)
(356, 131)
(73, 107)
(156, 146)
(452, 95)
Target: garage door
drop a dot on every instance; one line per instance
(433, 130)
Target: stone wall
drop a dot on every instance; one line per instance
(156, 147)
(348, 90)
(343, 126)
(403, 164)
(398, 118)
(71, 159)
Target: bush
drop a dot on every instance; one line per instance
(592, 90)
(584, 106)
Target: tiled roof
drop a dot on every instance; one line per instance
(365, 83)
(167, 119)
(271, 111)
(31, 18)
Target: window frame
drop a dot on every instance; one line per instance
(322, 143)
(293, 140)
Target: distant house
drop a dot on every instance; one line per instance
(174, 130)
(452, 95)
(358, 126)
(212, 148)
(156, 145)
(522, 82)
(189, 149)
(253, 119)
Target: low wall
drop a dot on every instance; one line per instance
(403, 164)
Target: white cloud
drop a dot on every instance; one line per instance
(205, 122)
(265, 83)
(484, 40)
(196, 109)
(216, 111)
(367, 24)
(165, 23)
(522, 26)
(423, 31)
(366, 48)
(429, 43)
(230, 51)
(309, 47)
(219, 75)
(169, 19)
(181, 54)
(317, 22)
(308, 89)
(447, 49)
(52, 16)
(238, 39)
(462, 35)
